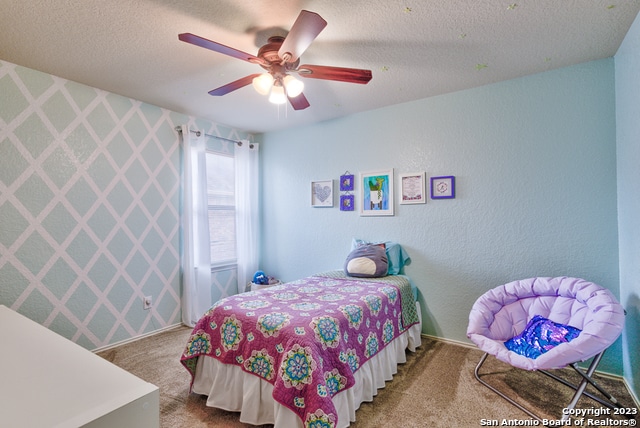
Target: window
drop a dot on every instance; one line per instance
(222, 208)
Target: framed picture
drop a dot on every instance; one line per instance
(346, 182)
(412, 188)
(443, 187)
(347, 202)
(377, 193)
(322, 193)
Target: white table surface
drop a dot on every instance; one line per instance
(48, 381)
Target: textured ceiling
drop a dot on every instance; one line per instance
(415, 48)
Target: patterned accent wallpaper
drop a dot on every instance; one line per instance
(89, 208)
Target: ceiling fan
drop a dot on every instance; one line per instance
(280, 56)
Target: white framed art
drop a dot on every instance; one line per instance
(376, 196)
(412, 188)
(322, 193)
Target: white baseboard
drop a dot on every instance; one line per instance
(136, 338)
(634, 396)
(451, 341)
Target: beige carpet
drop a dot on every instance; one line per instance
(435, 388)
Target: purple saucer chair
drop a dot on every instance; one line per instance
(510, 310)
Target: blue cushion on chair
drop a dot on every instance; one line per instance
(539, 336)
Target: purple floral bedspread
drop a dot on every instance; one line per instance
(306, 337)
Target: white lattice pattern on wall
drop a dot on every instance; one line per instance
(89, 208)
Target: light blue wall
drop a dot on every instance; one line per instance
(535, 166)
(627, 62)
(89, 208)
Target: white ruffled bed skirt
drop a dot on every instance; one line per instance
(230, 388)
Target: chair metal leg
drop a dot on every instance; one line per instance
(587, 379)
(579, 389)
(583, 384)
(595, 384)
(477, 374)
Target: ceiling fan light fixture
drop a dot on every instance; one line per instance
(293, 86)
(277, 95)
(263, 83)
(279, 57)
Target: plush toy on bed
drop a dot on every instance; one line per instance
(366, 258)
(367, 261)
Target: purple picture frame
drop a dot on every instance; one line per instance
(443, 187)
(347, 202)
(346, 183)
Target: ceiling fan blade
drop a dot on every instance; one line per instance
(299, 103)
(351, 75)
(230, 87)
(218, 47)
(304, 31)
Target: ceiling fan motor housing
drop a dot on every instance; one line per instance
(269, 52)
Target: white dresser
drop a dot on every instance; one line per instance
(48, 381)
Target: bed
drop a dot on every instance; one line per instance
(305, 353)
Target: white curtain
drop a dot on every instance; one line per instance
(247, 220)
(196, 246)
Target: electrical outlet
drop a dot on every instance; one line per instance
(147, 302)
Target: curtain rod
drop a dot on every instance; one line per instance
(198, 133)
